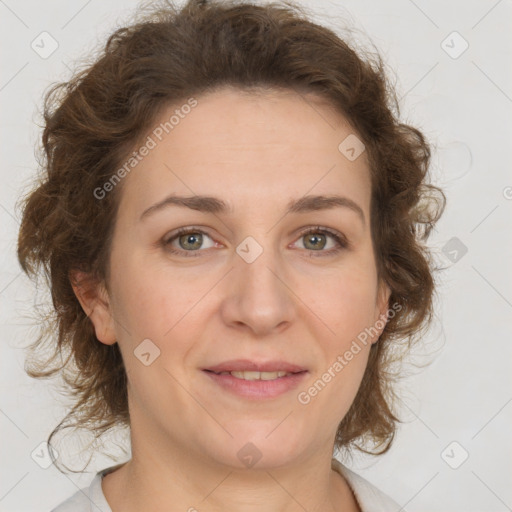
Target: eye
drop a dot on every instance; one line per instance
(316, 239)
(189, 241)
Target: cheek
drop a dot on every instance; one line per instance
(345, 301)
(154, 305)
(153, 299)
(346, 306)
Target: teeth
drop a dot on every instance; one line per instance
(248, 375)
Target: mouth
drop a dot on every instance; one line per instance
(249, 379)
(251, 375)
(248, 366)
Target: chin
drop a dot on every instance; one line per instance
(261, 445)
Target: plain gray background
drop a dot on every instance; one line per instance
(453, 452)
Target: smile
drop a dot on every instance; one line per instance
(251, 375)
(256, 385)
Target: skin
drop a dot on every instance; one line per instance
(256, 152)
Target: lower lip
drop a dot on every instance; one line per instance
(257, 388)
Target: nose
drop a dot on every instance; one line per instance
(258, 297)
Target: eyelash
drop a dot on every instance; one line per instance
(338, 237)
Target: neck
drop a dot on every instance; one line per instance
(161, 475)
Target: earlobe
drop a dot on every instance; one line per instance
(93, 298)
(382, 309)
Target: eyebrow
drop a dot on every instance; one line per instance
(214, 205)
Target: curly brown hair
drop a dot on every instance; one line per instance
(93, 121)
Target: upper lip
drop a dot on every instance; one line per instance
(238, 365)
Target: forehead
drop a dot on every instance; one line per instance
(248, 147)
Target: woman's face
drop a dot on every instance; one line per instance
(247, 288)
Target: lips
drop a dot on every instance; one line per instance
(245, 365)
(256, 380)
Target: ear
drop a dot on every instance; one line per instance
(381, 309)
(95, 302)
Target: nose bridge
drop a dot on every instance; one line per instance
(258, 296)
(258, 266)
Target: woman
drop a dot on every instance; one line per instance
(232, 221)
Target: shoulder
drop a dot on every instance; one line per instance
(89, 499)
(369, 497)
